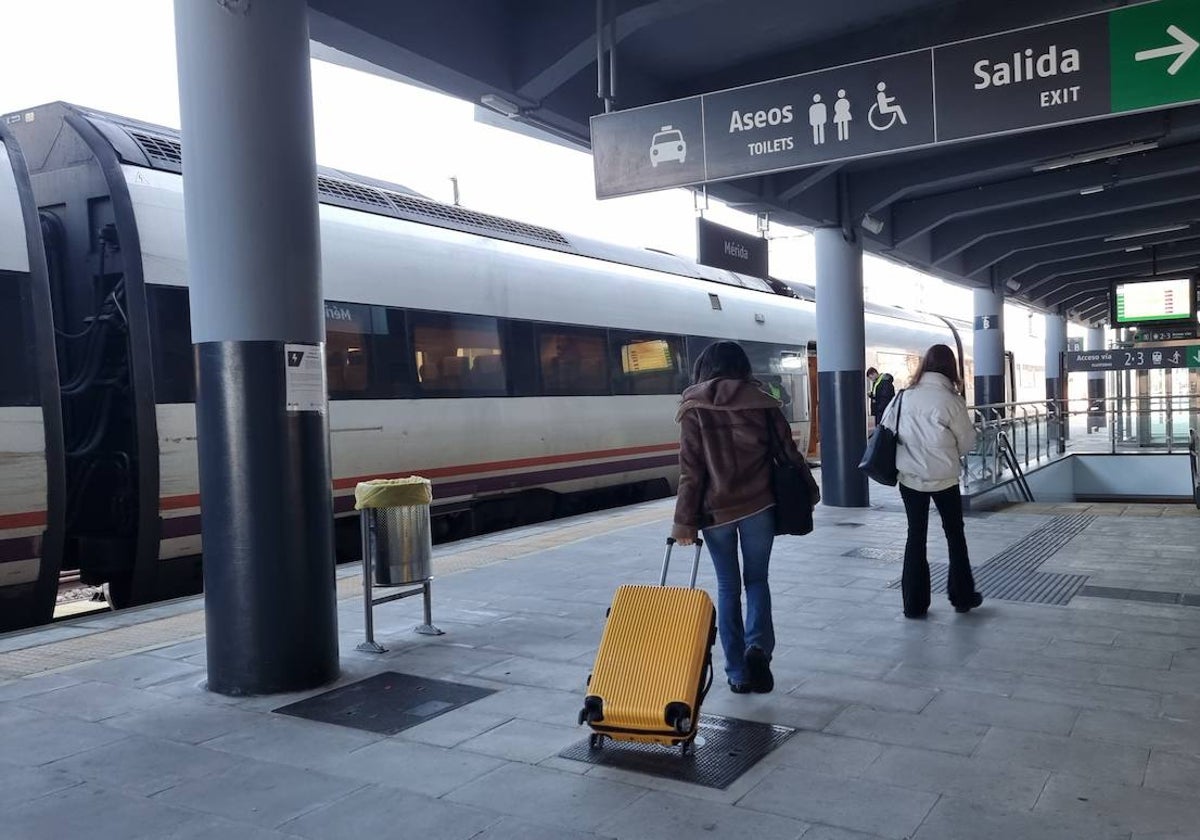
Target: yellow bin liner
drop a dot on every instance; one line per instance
(393, 492)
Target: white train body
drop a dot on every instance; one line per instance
(565, 377)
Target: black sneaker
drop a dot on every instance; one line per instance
(975, 601)
(739, 688)
(759, 664)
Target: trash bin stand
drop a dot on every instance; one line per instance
(369, 551)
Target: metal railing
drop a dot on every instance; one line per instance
(1042, 431)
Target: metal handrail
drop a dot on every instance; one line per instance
(1027, 419)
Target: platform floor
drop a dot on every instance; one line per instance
(1018, 721)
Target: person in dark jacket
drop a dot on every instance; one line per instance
(725, 489)
(883, 389)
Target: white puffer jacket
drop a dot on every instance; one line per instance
(935, 432)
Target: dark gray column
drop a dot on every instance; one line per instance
(1094, 340)
(258, 325)
(989, 347)
(841, 379)
(1056, 345)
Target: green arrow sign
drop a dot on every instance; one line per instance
(1193, 356)
(1154, 54)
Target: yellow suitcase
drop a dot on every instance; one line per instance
(654, 665)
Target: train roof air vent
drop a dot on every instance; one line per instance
(350, 191)
(408, 206)
(162, 149)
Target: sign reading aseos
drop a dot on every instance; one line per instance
(1137, 58)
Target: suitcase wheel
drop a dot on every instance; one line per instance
(679, 717)
(596, 741)
(607, 612)
(686, 747)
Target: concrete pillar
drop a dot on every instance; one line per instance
(1094, 340)
(841, 377)
(250, 200)
(989, 347)
(1056, 377)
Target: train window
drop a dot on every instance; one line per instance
(391, 368)
(647, 363)
(521, 358)
(171, 344)
(457, 355)
(573, 362)
(18, 359)
(348, 350)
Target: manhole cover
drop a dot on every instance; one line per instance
(866, 552)
(386, 703)
(725, 748)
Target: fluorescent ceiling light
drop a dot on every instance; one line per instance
(500, 104)
(1150, 232)
(1099, 188)
(1133, 248)
(1092, 157)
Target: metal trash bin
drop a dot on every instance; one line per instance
(403, 545)
(396, 540)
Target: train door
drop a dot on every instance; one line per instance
(797, 402)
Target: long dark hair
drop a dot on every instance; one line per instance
(721, 360)
(940, 359)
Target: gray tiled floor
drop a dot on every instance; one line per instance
(1023, 721)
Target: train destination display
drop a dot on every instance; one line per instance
(1094, 66)
(1148, 301)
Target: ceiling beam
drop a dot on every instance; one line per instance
(915, 217)
(1017, 266)
(961, 165)
(979, 258)
(958, 236)
(1111, 264)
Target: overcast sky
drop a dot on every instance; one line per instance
(119, 56)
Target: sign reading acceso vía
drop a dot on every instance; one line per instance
(1137, 358)
(1136, 58)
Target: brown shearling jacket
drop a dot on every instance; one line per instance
(723, 454)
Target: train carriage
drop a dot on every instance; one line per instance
(524, 370)
(31, 447)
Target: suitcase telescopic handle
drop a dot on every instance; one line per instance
(662, 579)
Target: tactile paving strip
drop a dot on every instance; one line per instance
(1012, 574)
(725, 748)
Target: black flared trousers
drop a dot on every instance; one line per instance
(915, 581)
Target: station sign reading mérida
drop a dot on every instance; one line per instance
(1135, 58)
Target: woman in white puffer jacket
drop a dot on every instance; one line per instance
(934, 431)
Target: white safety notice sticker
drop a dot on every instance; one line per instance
(305, 377)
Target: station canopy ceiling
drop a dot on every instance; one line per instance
(1051, 215)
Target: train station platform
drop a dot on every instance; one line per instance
(1066, 708)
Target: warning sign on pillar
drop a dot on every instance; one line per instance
(304, 374)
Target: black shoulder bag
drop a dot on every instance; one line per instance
(879, 459)
(791, 484)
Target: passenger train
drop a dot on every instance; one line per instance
(518, 367)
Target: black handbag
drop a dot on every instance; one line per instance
(792, 485)
(879, 459)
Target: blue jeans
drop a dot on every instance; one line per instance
(757, 534)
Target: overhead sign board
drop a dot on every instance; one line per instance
(1140, 358)
(1139, 57)
(723, 247)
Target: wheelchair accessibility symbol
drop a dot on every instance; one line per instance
(885, 112)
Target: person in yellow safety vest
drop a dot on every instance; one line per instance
(881, 392)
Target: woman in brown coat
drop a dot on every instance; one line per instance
(725, 489)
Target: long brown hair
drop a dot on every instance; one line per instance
(940, 359)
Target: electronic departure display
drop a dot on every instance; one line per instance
(1153, 301)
